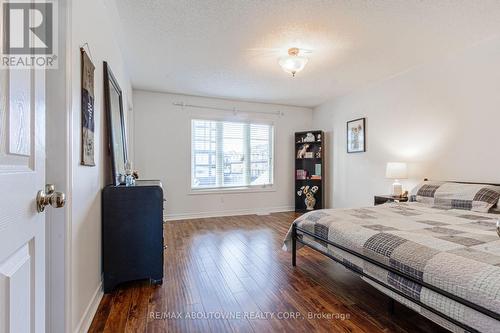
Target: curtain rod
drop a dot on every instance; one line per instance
(233, 110)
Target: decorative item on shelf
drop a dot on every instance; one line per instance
(309, 138)
(356, 136)
(302, 151)
(129, 178)
(309, 154)
(318, 137)
(309, 193)
(301, 174)
(120, 179)
(318, 153)
(396, 171)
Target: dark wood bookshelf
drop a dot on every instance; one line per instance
(311, 142)
(308, 180)
(309, 167)
(309, 158)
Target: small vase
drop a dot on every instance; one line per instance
(310, 203)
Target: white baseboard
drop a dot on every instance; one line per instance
(90, 311)
(252, 211)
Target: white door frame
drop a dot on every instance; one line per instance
(59, 171)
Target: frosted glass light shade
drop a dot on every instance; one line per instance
(396, 170)
(293, 64)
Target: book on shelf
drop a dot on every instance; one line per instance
(309, 154)
(301, 174)
(317, 170)
(317, 177)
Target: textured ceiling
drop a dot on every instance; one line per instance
(230, 48)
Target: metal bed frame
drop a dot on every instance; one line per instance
(298, 234)
(296, 237)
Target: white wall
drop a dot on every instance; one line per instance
(92, 23)
(163, 144)
(442, 118)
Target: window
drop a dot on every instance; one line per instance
(231, 154)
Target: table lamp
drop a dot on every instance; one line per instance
(396, 171)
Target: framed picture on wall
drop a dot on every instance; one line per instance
(356, 140)
(88, 102)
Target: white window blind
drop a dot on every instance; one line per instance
(231, 154)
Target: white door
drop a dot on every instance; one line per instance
(22, 174)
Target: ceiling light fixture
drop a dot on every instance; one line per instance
(293, 62)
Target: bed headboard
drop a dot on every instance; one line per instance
(460, 182)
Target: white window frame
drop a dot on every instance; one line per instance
(236, 189)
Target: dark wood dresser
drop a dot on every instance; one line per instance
(132, 233)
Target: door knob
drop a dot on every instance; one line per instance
(49, 196)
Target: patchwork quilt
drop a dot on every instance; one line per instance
(454, 250)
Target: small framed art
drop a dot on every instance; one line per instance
(356, 140)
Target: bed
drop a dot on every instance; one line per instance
(438, 254)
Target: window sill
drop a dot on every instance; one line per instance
(233, 190)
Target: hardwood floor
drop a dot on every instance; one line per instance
(231, 275)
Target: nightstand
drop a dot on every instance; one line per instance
(381, 199)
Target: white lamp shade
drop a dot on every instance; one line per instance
(396, 170)
(293, 64)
